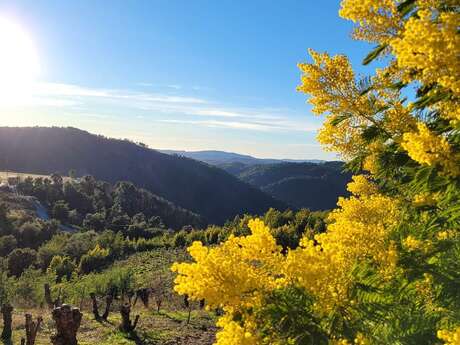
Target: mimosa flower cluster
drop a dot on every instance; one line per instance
(387, 268)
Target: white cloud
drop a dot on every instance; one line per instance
(215, 112)
(246, 125)
(149, 106)
(144, 84)
(69, 90)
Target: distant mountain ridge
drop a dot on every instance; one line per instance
(312, 184)
(206, 190)
(316, 186)
(218, 158)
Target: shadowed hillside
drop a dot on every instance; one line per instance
(316, 186)
(208, 191)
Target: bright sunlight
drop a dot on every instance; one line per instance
(19, 63)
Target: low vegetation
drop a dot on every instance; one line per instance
(107, 251)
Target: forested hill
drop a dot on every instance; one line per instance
(206, 190)
(316, 186)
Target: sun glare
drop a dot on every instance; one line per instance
(19, 63)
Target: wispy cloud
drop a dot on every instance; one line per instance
(144, 84)
(69, 90)
(161, 107)
(246, 125)
(175, 86)
(217, 113)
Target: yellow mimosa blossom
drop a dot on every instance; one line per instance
(425, 147)
(450, 337)
(361, 185)
(234, 272)
(411, 243)
(361, 340)
(340, 342)
(449, 110)
(425, 199)
(376, 20)
(233, 333)
(398, 120)
(358, 231)
(442, 235)
(430, 45)
(330, 82)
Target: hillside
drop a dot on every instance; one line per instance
(310, 185)
(105, 269)
(206, 190)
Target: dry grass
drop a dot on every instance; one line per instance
(167, 327)
(164, 328)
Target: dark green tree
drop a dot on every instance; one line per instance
(20, 259)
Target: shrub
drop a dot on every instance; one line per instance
(7, 244)
(29, 235)
(56, 246)
(21, 259)
(62, 267)
(61, 211)
(95, 260)
(179, 239)
(95, 221)
(79, 244)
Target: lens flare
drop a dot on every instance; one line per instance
(19, 63)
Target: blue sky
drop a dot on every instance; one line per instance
(191, 75)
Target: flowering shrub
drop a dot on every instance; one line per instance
(387, 269)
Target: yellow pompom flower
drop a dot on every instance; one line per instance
(330, 81)
(358, 230)
(425, 147)
(450, 337)
(234, 333)
(376, 20)
(430, 45)
(234, 272)
(411, 243)
(425, 199)
(361, 185)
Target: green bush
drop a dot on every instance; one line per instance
(95, 260)
(21, 259)
(62, 267)
(7, 244)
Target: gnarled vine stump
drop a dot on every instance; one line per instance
(48, 298)
(95, 306)
(127, 325)
(67, 321)
(144, 295)
(32, 329)
(108, 304)
(7, 313)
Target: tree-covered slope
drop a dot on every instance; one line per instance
(316, 186)
(208, 191)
